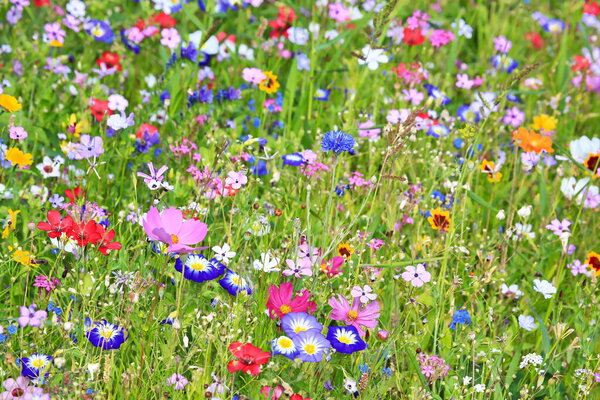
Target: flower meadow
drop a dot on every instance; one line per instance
(304, 200)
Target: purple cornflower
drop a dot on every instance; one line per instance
(46, 283)
(514, 117)
(32, 317)
(558, 227)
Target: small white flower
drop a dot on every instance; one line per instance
(372, 57)
(501, 215)
(527, 322)
(544, 287)
(522, 230)
(266, 263)
(223, 253)
(467, 380)
(116, 102)
(524, 211)
(480, 388)
(512, 290)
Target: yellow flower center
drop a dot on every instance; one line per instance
(310, 349)
(197, 266)
(174, 239)
(345, 339)
(352, 315)
(285, 343)
(285, 309)
(38, 363)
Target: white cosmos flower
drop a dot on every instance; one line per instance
(372, 57)
(544, 287)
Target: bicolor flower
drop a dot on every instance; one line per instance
(296, 322)
(285, 346)
(106, 335)
(234, 283)
(198, 268)
(35, 366)
(345, 339)
(311, 345)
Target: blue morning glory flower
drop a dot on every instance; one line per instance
(296, 322)
(293, 159)
(234, 283)
(312, 345)
(106, 335)
(35, 365)
(345, 339)
(284, 346)
(198, 268)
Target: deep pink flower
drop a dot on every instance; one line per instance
(169, 227)
(354, 315)
(280, 301)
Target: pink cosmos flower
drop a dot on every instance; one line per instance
(178, 380)
(417, 276)
(281, 303)
(29, 316)
(169, 227)
(354, 315)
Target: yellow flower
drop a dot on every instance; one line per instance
(593, 262)
(55, 43)
(544, 122)
(345, 250)
(490, 169)
(22, 257)
(270, 84)
(9, 103)
(440, 220)
(75, 127)
(11, 223)
(17, 157)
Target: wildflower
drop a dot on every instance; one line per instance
(345, 339)
(177, 381)
(333, 266)
(284, 346)
(199, 269)
(364, 294)
(502, 44)
(460, 317)
(587, 152)
(50, 168)
(531, 359)
(531, 141)
(413, 37)
(527, 322)
(223, 253)
(235, 284)
(31, 317)
(338, 142)
(440, 220)
(18, 157)
(354, 315)
(46, 283)
(593, 262)
(11, 222)
(544, 287)
(432, 367)
(299, 268)
(489, 168)
(544, 123)
(311, 346)
(512, 290)
(106, 335)
(170, 228)
(17, 133)
(21, 256)
(577, 268)
(35, 366)
(417, 276)
(372, 57)
(582, 191)
(266, 263)
(514, 117)
(280, 301)
(248, 358)
(270, 84)
(345, 250)
(253, 75)
(9, 103)
(15, 388)
(297, 35)
(558, 227)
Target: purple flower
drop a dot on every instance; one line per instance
(558, 227)
(577, 268)
(513, 117)
(502, 44)
(17, 132)
(178, 380)
(29, 316)
(89, 147)
(170, 38)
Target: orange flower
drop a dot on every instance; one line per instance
(440, 220)
(593, 262)
(531, 141)
(489, 168)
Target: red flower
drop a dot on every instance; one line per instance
(591, 7)
(581, 63)
(56, 225)
(151, 129)
(85, 234)
(280, 301)
(141, 24)
(163, 19)
(283, 22)
(249, 358)
(296, 396)
(41, 3)
(105, 240)
(536, 40)
(74, 194)
(99, 109)
(111, 60)
(413, 37)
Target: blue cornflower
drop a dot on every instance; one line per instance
(190, 52)
(2, 338)
(337, 142)
(12, 329)
(460, 317)
(364, 368)
(387, 371)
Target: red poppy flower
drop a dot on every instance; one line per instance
(296, 396)
(591, 7)
(151, 129)
(74, 194)
(163, 19)
(249, 358)
(111, 60)
(56, 225)
(41, 3)
(85, 234)
(105, 240)
(536, 40)
(99, 109)
(413, 37)
(286, 14)
(141, 24)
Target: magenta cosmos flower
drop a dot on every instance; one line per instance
(354, 315)
(169, 227)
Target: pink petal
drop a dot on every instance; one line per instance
(171, 220)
